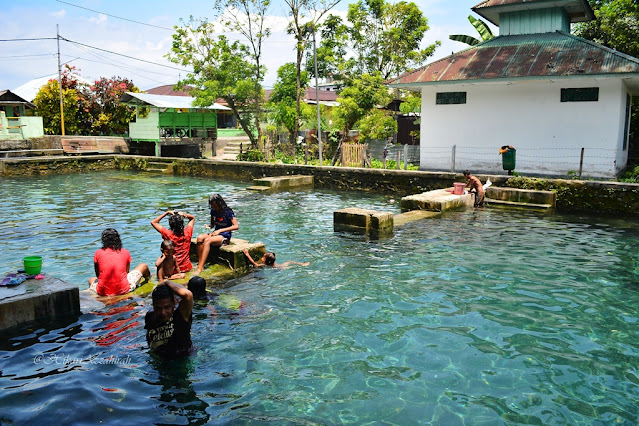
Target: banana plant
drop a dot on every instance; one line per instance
(481, 27)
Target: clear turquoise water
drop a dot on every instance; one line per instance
(484, 317)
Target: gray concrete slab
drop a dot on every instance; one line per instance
(37, 299)
(282, 182)
(440, 200)
(414, 215)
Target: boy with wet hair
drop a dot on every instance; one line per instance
(167, 264)
(269, 260)
(168, 329)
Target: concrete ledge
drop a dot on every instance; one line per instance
(522, 195)
(439, 201)
(37, 299)
(368, 221)
(414, 215)
(281, 182)
(231, 255)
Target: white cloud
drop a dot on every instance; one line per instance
(59, 14)
(101, 19)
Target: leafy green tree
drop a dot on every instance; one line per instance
(482, 28)
(377, 124)
(107, 115)
(304, 18)
(384, 38)
(221, 69)
(616, 26)
(359, 100)
(283, 98)
(47, 102)
(248, 17)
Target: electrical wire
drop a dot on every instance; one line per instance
(117, 17)
(125, 56)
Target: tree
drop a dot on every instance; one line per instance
(482, 28)
(302, 29)
(616, 26)
(108, 115)
(220, 70)
(284, 95)
(248, 18)
(384, 38)
(47, 103)
(358, 100)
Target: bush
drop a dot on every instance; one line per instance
(251, 155)
(631, 175)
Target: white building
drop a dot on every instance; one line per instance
(563, 102)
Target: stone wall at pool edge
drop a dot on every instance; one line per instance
(593, 197)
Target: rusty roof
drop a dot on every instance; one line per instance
(578, 10)
(556, 54)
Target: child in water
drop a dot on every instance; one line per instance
(167, 264)
(269, 260)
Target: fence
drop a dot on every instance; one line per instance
(575, 161)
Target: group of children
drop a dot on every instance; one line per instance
(112, 262)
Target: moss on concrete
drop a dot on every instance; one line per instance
(572, 195)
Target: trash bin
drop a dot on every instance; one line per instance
(508, 157)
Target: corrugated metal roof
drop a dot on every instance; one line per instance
(519, 56)
(167, 90)
(163, 101)
(578, 10)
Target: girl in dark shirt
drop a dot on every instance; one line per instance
(223, 223)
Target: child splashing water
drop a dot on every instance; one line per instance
(223, 223)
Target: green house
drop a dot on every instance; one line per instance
(15, 124)
(170, 120)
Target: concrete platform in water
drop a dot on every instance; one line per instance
(36, 300)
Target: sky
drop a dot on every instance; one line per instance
(149, 38)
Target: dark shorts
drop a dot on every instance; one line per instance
(479, 199)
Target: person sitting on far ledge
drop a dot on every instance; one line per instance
(111, 264)
(475, 184)
(223, 223)
(168, 268)
(269, 260)
(168, 330)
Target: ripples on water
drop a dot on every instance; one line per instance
(478, 317)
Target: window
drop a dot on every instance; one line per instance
(584, 94)
(450, 98)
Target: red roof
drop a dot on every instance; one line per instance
(521, 56)
(167, 90)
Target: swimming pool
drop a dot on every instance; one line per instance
(478, 317)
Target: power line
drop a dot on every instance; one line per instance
(27, 56)
(120, 54)
(28, 39)
(117, 17)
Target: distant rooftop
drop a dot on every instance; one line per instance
(163, 101)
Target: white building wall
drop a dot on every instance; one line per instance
(548, 134)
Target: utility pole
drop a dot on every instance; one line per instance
(57, 30)
(319, 126)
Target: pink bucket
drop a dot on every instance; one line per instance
(459, 188)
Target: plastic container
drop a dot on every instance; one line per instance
(32, 265)
(459, 188)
